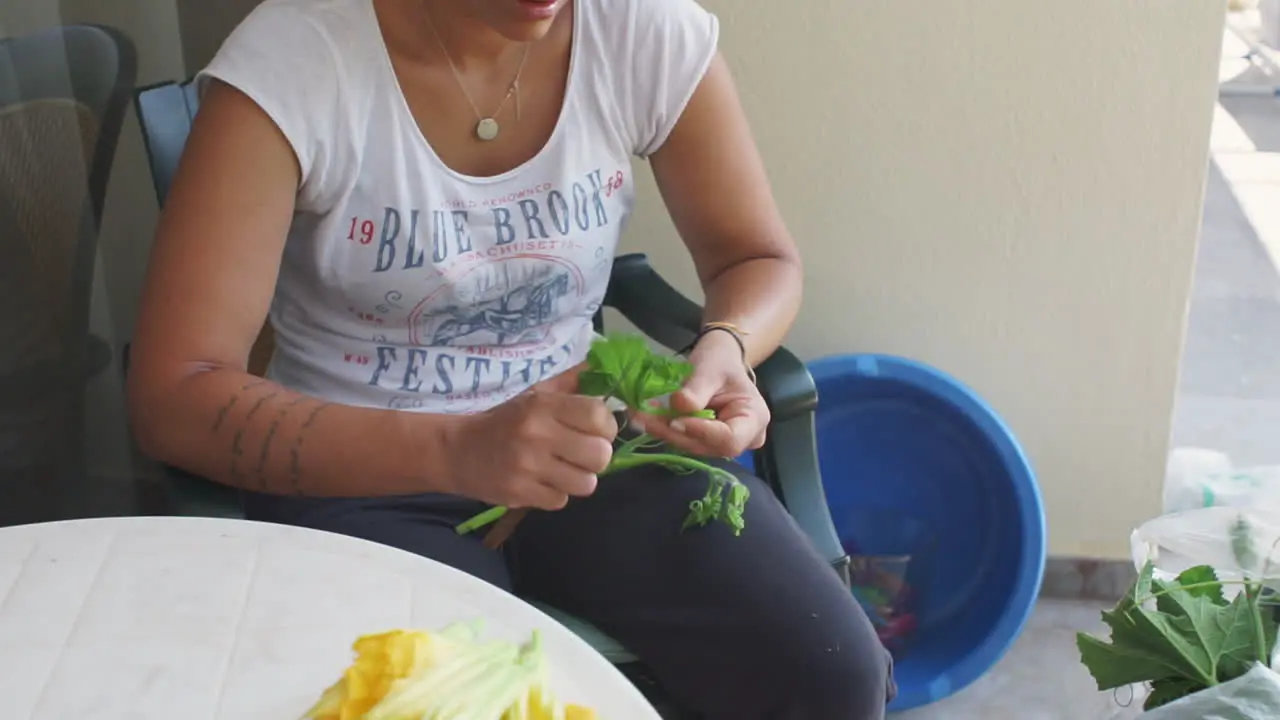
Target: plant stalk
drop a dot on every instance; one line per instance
(618, 463)
(488, 516)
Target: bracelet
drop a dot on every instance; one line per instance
(734, 332)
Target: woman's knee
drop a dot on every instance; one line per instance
(851, 678)
(828, 663)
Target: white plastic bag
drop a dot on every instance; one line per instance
(1252, 696)
(1178, 542)
(1200, 478)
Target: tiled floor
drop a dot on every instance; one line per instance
(1229, 401)
(1041, 678)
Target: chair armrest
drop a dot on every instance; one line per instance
(789, 460)
(789, 464)
(651, 304)
(786, 385)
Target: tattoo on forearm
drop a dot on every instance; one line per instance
(265, 455)
(222, 412)
(237, 450)
(225, 409)
(295, 452)
(258, 405)
(266, 451)
(244, 473)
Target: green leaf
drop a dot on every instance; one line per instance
(595, 383)
(1202, 581)
(612, 354)
(1145, 645)
(1230, 632)
(661, 376)
(1193, 638)
(632, 372)
(1219, 631)
(1117, 665)
(1263, 636)
(1166, 690)
(1134, 635)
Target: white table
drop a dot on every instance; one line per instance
(192, 618)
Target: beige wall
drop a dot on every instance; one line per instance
(1008, 190)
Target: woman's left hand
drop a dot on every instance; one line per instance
(719, 382)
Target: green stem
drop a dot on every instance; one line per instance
(1254, 593)
(660, 411)
(634, 460)
(1196, 586)
(488, 516)
(619, 462)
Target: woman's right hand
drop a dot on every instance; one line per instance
(537, 449)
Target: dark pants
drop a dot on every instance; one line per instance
(753, 627)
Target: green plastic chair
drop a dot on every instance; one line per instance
(64, 93)
(788, 462)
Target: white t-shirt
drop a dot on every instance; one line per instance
(407, 285)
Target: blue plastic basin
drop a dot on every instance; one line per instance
(899, 439)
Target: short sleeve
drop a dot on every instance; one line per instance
(280, 58)
(672, 45)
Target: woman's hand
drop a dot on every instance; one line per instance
(535, 450)
(720, 382)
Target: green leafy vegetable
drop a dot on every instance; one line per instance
(624, 367)
(1182, 636)
(1167, 690)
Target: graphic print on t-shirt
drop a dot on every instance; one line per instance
(488, 295)
(511, 302)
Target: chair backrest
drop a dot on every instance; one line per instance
(166, 112)
(63, 97)
(90, 67)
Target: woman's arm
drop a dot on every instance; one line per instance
(714, 185)
(212, 274)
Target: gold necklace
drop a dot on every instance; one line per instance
(487, 127)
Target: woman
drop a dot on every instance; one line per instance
(425, 197)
